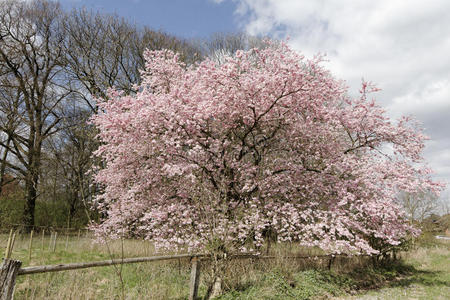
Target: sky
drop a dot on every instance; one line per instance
(183, 18)
(403, 46)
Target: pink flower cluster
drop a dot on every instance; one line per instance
(220, 154)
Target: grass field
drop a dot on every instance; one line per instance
(423, 274)
(428, 277)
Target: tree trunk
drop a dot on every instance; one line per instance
(218, 270)
(72, 208)
(216, 289)
(32, 179)
(30, 204)
(3, 164)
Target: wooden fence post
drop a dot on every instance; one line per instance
(8, 274)
(67, 240)
(8, 244)
(31, 244)
(51, 241)
(195, 275)
(54, 241)
(330, 262)
(11, 246)
(43, 234)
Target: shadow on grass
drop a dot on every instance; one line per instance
(285, 283)
(397, 274)
(427, 278)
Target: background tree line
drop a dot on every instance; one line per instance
(53, 66)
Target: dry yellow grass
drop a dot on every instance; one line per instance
(245, 278)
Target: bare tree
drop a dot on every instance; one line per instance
(48, 59)
(70, 152)
(219, 45)
(32, 71)
(105, 51)
(419, 206)
(8, 124)
(100, 52)
(444, 205)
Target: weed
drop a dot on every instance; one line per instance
(423, 273)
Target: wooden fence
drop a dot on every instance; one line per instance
(52, 243)
(11, 268)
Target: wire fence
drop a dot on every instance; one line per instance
(6, 227)
(10, 268)
(48, 240)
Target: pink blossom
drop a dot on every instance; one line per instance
(220, 154)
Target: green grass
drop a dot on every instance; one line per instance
(428, 277)
(157, 280)
(302, 285)
(423, 273)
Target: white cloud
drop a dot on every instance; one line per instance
(403, 46)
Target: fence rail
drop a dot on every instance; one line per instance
(10, 268)
(110, 262)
